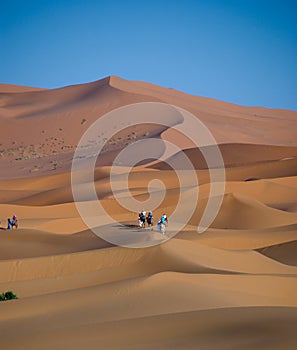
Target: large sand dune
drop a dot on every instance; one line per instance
(233, 286)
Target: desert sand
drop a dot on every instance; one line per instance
(232, 286)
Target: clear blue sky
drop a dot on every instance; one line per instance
(241, 51)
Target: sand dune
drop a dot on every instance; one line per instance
(216, 329)
(48, 114)
(27, 243)
(9, 88)
(237, 239)
(233, 286)
(235, 155)
(175, 255)
(245, 213)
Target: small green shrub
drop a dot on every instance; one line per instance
(8, 296)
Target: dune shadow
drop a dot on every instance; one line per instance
(132, 228)
(252, 179)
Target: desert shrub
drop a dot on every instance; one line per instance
(8, 296)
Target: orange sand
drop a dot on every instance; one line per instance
(234, 286)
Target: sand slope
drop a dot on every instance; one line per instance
(234, 286)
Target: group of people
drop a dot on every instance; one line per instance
(12, 223)
(143, 218)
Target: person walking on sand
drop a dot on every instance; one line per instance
(14, 222)
(141, 219)
(149, 219)
(162, 223)
(8, 224)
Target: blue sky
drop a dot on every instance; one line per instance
(241, 51)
